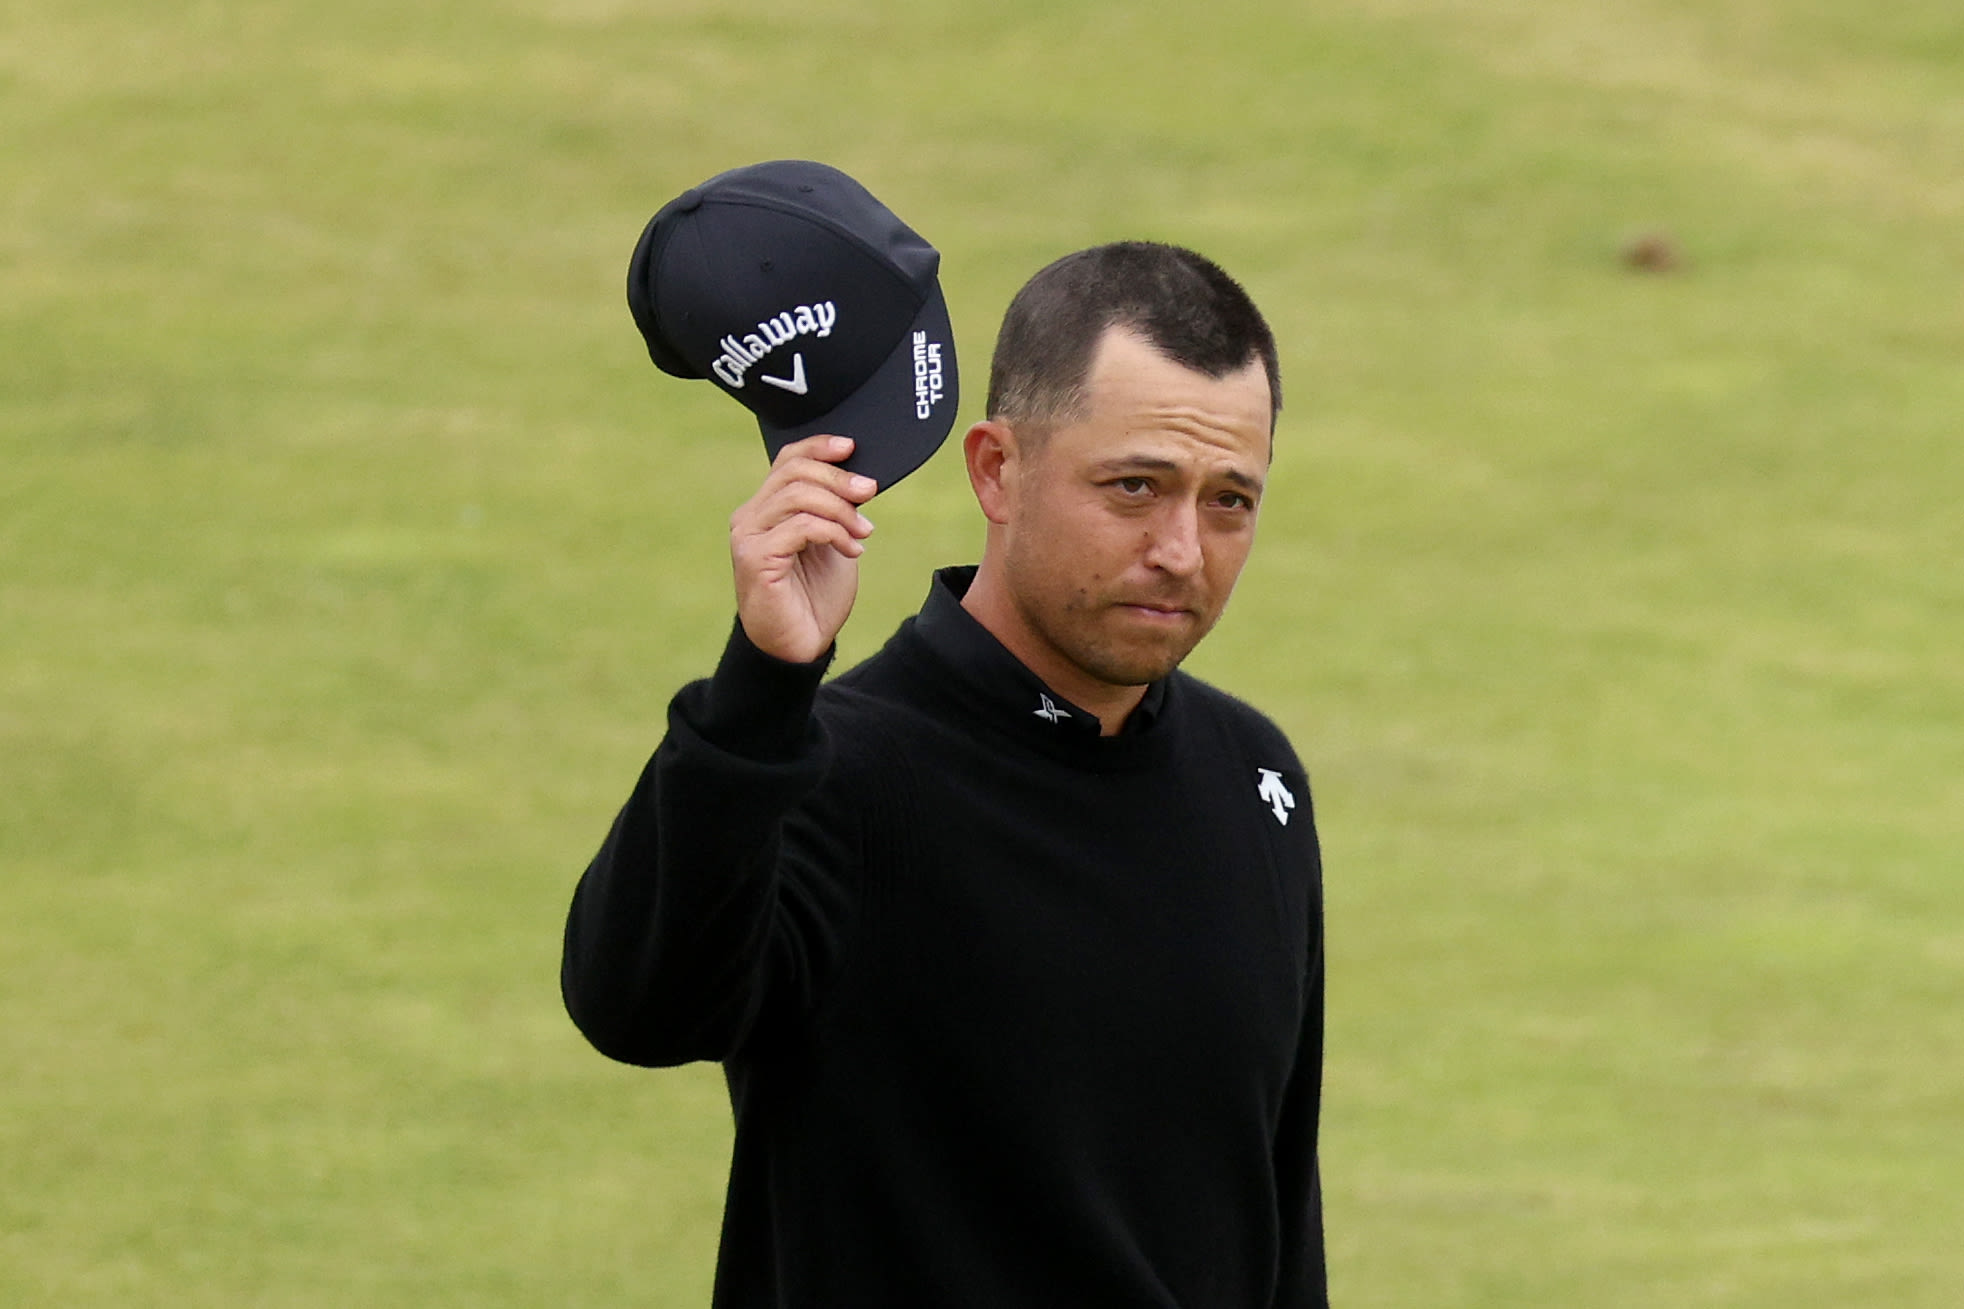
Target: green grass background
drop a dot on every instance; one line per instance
(350, 550)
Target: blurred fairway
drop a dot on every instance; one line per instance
(350, 550)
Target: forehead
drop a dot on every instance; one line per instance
(1137, 397)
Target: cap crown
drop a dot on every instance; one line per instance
(786, 283)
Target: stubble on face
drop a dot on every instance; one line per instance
(1085, 622)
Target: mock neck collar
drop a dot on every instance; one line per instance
(999, 677)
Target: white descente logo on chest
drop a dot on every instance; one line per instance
(1272, 790)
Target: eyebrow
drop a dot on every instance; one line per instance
(1153, 464)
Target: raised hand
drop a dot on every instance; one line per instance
(795, 546)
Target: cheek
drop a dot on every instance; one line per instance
(1225, 559)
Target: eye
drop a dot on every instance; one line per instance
(1133, 485)
(1235, 500)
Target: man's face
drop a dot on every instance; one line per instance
(1129, 526)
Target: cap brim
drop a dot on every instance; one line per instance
(890, 437)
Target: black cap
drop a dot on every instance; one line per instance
(793, 289)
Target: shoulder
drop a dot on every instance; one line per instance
(865, 709)
(875, 686)
(1206, 707)
(1243, 752)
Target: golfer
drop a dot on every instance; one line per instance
(1009, 939)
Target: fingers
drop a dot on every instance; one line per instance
(793, 547)
(816, 459)
(806, 488)
(783, 543)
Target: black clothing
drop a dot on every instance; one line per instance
(1012, 1014)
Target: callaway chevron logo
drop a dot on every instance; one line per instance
(741, 354)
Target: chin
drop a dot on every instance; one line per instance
(1132, 667)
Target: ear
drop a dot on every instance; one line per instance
(993, 465)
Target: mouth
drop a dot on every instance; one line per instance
(1153, 612)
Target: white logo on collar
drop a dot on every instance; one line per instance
(1049, 711)
(740, 355)
(1275, 794)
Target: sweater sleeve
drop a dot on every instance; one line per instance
(717, 896)
(1304, 1282)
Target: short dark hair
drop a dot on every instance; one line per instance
(1181, 303)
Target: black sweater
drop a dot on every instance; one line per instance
(1012, 1014)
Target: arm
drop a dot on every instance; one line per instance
(1304, 1282)
(673, 940)
(716, 893)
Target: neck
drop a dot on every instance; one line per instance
(989, 601)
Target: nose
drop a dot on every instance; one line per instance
(1173, 540)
